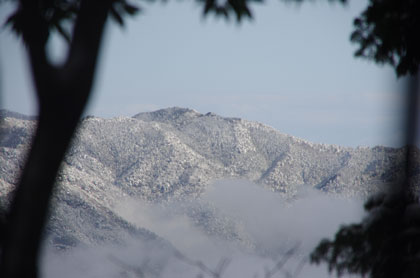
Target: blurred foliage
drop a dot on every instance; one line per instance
(388, 33)
(385, 244)
(55, 15)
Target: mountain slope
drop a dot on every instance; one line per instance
(175, 153)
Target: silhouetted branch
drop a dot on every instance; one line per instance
(280, 264)
(216, 273)
(298, 269)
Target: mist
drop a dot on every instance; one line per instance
(235, 229)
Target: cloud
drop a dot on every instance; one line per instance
(271, 223)
(272, 220)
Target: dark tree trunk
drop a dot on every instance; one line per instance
(62, 94)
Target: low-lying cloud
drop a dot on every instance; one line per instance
(249, 231)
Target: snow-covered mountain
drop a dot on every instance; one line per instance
(176, 153)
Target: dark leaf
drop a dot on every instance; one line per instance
(131, 9)
(117, 17)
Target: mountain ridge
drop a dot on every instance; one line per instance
(176, 153)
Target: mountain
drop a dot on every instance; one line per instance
(175, 153)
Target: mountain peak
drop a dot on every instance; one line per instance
(171, 114)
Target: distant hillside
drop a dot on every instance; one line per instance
(176, 153)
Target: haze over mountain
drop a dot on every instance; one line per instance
(174, 154)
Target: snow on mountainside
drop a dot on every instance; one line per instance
(175, 153)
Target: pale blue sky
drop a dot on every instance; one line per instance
(292, 68)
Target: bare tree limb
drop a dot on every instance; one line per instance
(280, 264)
(217, 273)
